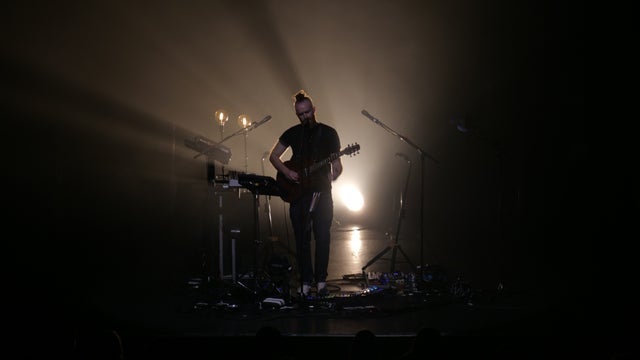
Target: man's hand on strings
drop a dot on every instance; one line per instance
(292, 176)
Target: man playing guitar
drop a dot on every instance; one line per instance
(309, 192)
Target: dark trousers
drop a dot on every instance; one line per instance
(304, 224)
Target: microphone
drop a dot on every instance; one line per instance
(365, 113)
(266, 118)
(403, 156)
(256, 124)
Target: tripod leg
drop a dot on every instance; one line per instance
(378, 256)
(396, 248)
(392, 266)
(400, 216)
(406, 257)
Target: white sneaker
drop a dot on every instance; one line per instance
(322, 289)
(305, 289)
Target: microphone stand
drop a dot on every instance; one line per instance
(422, 155)
(395, 246)
(246, 130)
(302, 217)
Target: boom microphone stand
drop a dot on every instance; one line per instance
(422, 155)
(305, 208)
(395, 246)
(303, 215)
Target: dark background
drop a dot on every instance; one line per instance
(105, 198)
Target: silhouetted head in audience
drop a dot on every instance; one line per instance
(364, 345)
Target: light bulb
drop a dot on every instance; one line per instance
(222, 116)
(244, 121)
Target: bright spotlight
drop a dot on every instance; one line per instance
(352, 197)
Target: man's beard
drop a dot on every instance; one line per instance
(309, 123)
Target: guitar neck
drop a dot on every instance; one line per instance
(322, 163)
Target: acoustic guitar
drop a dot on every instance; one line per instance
(291, 191)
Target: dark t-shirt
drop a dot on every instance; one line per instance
(311, 147)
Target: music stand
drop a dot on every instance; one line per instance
(258, 185)
(214, 152)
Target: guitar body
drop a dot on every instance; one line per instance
(291, 191)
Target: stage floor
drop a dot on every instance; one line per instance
(206, 316)
(196, 317)
(391, 303)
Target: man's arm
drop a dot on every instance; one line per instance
(336, 169)
(274, 157)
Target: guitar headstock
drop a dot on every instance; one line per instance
(351, 150)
